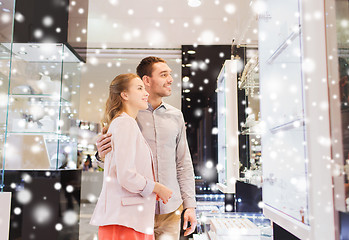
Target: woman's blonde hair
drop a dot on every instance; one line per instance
(114, 104)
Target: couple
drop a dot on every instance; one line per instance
(138, 170)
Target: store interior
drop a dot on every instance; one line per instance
(263, 86)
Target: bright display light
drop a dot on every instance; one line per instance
(194, 3)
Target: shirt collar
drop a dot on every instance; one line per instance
(162, 105)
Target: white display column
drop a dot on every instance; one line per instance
(323, 217)
(5, 203)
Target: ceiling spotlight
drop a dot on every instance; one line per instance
(185, 79)
(194, 3)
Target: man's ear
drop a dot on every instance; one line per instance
(146, 80)
(124, 96)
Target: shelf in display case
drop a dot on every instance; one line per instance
(39, 151)
(49, 96)
(38, 114)
(254, 177)
(248, 78)
(213, 203)
(47, 135)
(250, 131)
(5, 54)
(284, 45)
(244, 85)
(53, 98)
(41, 52)
(252, 128)
(32, 133)
(298, 122)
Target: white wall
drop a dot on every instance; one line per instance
(100, 71)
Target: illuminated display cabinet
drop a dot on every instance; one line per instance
(221, 226)
(39, 99)
(239, 123)
(228, 149)
(295, 74)
(39, 137)
(43, 100)
(40, 76)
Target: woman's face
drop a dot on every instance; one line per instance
(136, 95)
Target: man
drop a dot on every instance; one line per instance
(163, 127)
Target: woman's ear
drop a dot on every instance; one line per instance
(124, 96)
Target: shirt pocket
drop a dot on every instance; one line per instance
(126, 201)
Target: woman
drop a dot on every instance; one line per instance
(126, 206)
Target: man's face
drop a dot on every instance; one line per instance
(160, 80)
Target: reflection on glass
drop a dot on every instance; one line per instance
(6, 32)
(342, 24)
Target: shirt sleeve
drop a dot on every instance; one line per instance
(185, 170)
(124, 142)
(99, 161)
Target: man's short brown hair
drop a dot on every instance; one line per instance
(145, 67)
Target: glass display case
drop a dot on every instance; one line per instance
(251, 126)
(228, 147)
(215, 223)
(43, 100)
(243, 226)
(39, 99)
(239, 138)
(294, 59)
(285, 164)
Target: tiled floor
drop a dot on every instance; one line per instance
(87, 231)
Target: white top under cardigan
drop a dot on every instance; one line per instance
(126, 198)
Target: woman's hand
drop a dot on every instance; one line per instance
(104, 145)
(162, 192)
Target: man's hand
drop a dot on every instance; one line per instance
(104, 145)
(189, 216)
